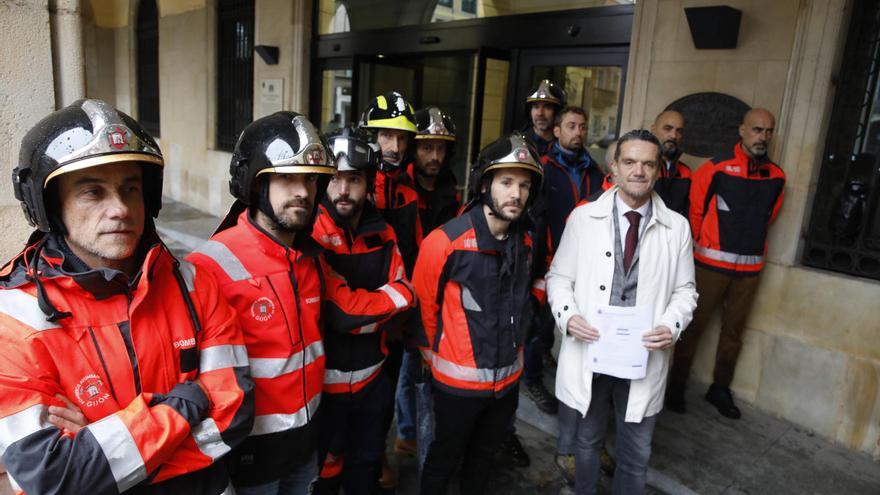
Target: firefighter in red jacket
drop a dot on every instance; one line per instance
(361, 247)
(734, 199)
(473, 280)
(674, 183)
(272, 272)
(391, 120)
(439, 201)
(122, 369)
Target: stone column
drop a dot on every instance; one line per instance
(65, 24)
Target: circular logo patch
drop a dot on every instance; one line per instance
(262, 309)
(90, 391)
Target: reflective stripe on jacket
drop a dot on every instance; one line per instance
(474, 296)
(281, 295)
(733, 201)
(128, 356)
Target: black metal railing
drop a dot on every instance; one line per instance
(844, 230)
(235, 69)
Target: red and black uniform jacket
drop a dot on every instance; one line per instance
(474, 294)
(440, 205)
(398, 202)
(733, 202)
(674, 186)
(368, 258)
(283, 295)
(155, 362)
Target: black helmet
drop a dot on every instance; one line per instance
(86, 133)
(549, 92)
(354, 150)
(433, 123)
(389, 111)
(509, 151)
(282, 143)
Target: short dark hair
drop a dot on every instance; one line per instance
(638, 135)
(557, 121)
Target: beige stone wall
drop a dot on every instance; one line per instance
(196, 172)
(26, 95)
(811, 352)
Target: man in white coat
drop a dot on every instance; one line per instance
(624, 249)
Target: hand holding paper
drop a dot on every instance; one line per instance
(580, 329)
(620, 350)
(658, 339)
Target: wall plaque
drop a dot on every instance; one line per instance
(711, 122)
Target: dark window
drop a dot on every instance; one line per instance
(469, 6)
(148, 66)
(844, 231)
(235, 69)
(445, 3)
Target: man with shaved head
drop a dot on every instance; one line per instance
(734, 198)
(674, 183)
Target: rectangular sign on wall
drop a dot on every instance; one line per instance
(271, 96)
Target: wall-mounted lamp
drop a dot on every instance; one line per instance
(714, 27)
(269, 54)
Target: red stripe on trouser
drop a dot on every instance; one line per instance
(332, 466)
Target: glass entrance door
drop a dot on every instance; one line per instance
(593, 79)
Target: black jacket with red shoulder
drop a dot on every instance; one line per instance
(674, 187)
(733, 201)
(156, 362)
(367, 258)
(398, 202)
(474, 294)
(440, 205)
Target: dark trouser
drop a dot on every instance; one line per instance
(734, 294)
(468, 428)
(632, 445)
(539, 342)
(353, 428)
(568, 423)
(391, 368)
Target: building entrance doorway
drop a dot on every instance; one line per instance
(480, 72)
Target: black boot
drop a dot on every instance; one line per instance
(538, 393)
(722, 399)
(513, 453)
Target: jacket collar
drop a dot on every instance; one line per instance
(303, 244)
(743, 157)
(604, 208)
(371, 221)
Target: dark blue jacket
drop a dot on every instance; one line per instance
(562, 193)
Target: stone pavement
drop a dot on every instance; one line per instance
(700, 452)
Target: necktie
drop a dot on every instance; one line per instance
(632, 238)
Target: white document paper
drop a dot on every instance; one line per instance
(620, 351)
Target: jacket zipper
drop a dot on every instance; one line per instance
(103, 363)
(302, 338)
